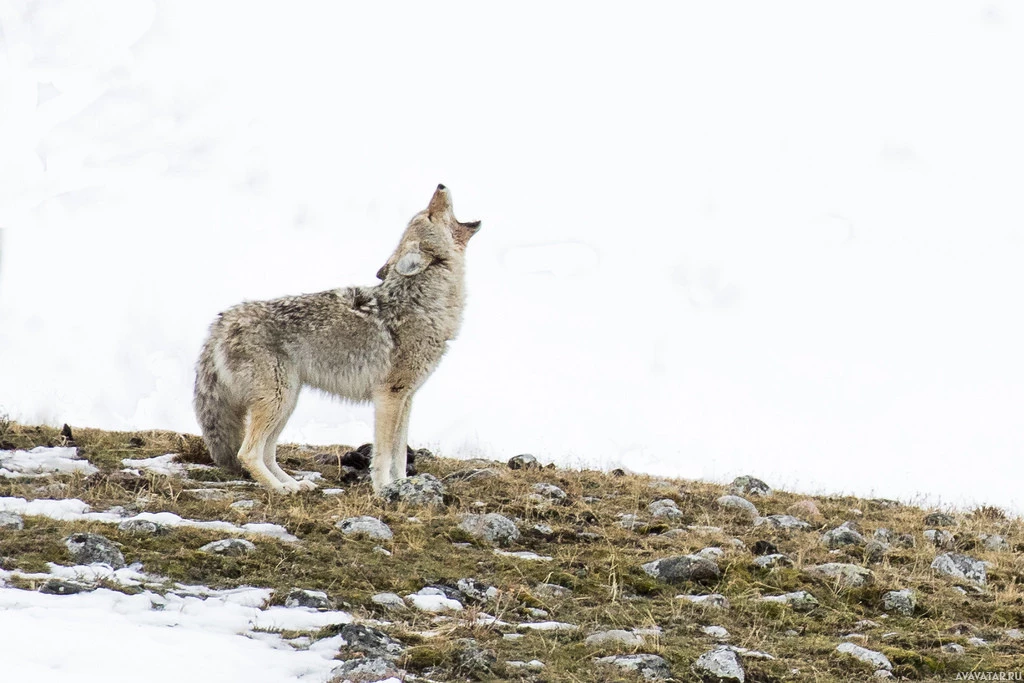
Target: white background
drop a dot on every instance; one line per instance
(722, 239)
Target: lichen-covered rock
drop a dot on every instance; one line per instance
(424, 490)
(612, 638)
(650, 667)
(990, 541)
(232, 547)
(940, 538)
(549, 492)
(666, 508)
(788, 522)
(11, 520)
(716, 632)
(142, 527)
(847, 574)
(370, 642)
(371, 527)
(93, 548)
(477, 591)
(900, 602)
(720, 664)
(800, 601)
(772, 561)
(739, 505)
(715, 600)
(524, 461)
(65, 587)
(491, 527)
(367, 669)
(960, 567)
(471, 656)
(301, 597)
(751, 486)
(939, 519)
(875, 551)
(871, 657)
(684, 568)
(841, 536)
(551, 591)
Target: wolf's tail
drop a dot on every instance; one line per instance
(221, 419)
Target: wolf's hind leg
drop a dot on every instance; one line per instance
(387, 408)
(290, 398)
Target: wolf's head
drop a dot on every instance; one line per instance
(432, 236)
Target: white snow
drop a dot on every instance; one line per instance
(161, 464)
(547, 626)
(433, 600)
(523, 555)
(72, 509)
(41, 461)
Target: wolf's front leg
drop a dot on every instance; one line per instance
(399, 461)
(387, 409)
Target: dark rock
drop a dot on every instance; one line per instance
(751, 486)
(684, 568)
(618, 472)
(136, 442)
(370, 642)
(764, 548)
(92, 548)
(841, 536)
(64, 587)
(524, 461)
(939, 519)
(300, 597)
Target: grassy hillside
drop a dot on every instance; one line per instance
(596, 552)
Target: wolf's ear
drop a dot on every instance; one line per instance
(383, 272)
(411, 261)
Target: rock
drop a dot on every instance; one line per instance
(551, 591)
(11, 520)
(232, 547)
(374, 669)
(800, 601)
(532, 665)
(536, 613)
(245, 504)
(389, 601)
(433, 600)
(381, 550)
(371, 527)
(882, 534)
(764, 548)
(473, 474)
(953, 649)
(875, 551)
(720, 664)
(771, 561)
(977, 642)
(65, 587)
(615, 637)
(420, 490)
(990, 541)
(717, 632)
(782, 522)
(901, 602)
(92, 548)
(713, 553)
(370, 642)
(848, 574)
(548, 493)
(751, 486)
(543, 530)
(805, 509)
(477, 591)
(650, 667)
(960, 567)
(739, 505)
(875, 659)
(715, 600)
(882, 673)
(939, 519)
(629, 521)
(618, 472)
(856, 638)
(141, 526)
(524, 461)
(684, 568)
(207, 494)
(840, 537)
(471, 656)
(666, 508)
(301, 597)
(1014, 634)
(491, 527)
(940, 538)
(865, 624)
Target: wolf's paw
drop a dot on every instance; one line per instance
(306, 485)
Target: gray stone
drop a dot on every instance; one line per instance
(544, 530)
(773, 560)
(841, 536)
(800, 601)
(875, 551)
(684, 568)
(245, 504)
(882, 673)
(532, 665)
(551, 591)
(371, 527)
(960, 567)
(665, 508)
(92, 548)
(420, 490)
(550, 492)
(718, 632)
(848, 574)
(650, 667)
(629, 521)
(370, 642)
(940, 538)
(470, 655)
(301, 597)
(491, 527)
(954, 649)
(65, 587)
(232, 547)
(142, 526)
(882, 534)
(1014, 634)
(207, 494)
(11, 520)
(939, 519)
(875, 659)
(389, 601)
(740, 505)
(476, 591)
(751, 486)
(990, 541)
(901, 602)
(367, 669)
(524, 461)
(713, 553)
(788, 522)
(720, 664)
(715, 600)
(977, 642)
(472, 474)
(613, 638)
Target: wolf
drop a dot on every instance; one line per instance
(377, 343)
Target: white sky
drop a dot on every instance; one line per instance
(720, 239)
